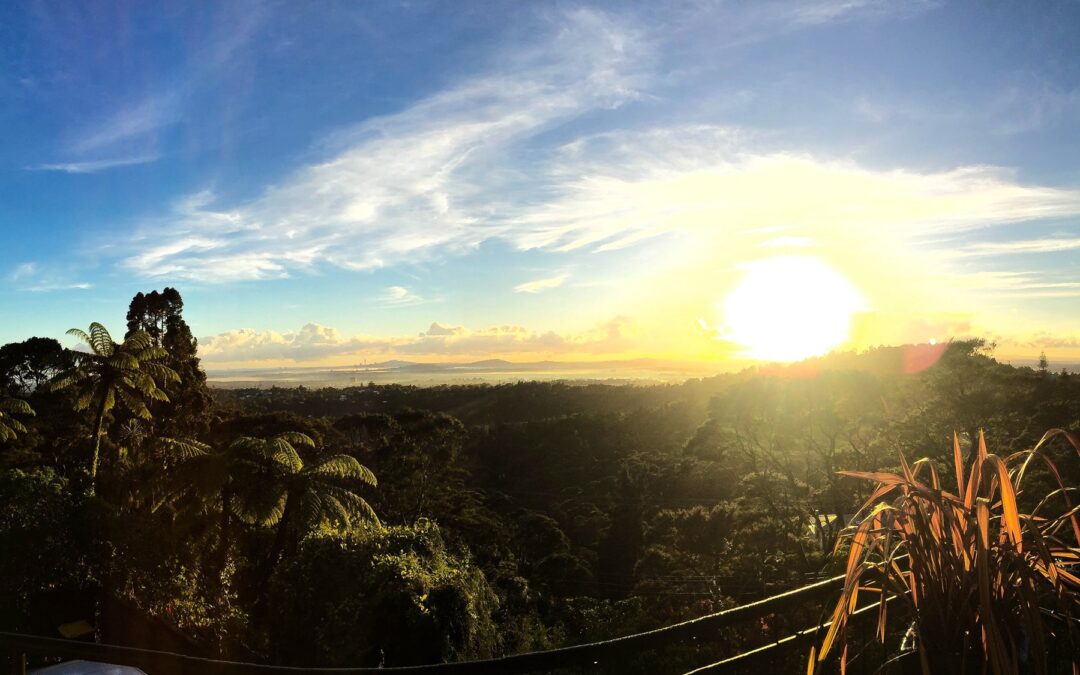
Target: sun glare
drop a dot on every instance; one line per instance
(790, 308)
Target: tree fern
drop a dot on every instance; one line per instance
(110, 372)
(9, 426)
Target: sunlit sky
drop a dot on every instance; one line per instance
(332, 183)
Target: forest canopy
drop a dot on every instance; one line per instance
(394, 525)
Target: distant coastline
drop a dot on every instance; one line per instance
(489, 371)
(494, 371)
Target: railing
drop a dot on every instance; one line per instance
(586, 656)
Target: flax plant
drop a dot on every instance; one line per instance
(985, 587)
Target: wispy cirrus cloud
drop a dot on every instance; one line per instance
(634, 186)
(30, 277)
(475, 163)
(128, 129)
(94, 166)
(425, 180)
(1044, 245)
(23, 270)
(1029, 283)
(538, 285)
(132, 122)
(47, 287)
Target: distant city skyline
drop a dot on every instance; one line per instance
(718, 182)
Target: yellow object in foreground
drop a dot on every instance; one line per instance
(75, 629)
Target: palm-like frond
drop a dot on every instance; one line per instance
(159, 372)
(148, 353)
(139, 340)
(123, 361)
(246, 445)
(100, 340)
(15, 406)
(262, 503)
(82, 335)
(9, 426)
(109, 396)
(126, 372)
(133, 403)
(344, 466)
(282, 451)
(183, 448)
(351, 506)
(84, 399)
(297, 438)
(278, 481)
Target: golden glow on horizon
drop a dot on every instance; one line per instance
(790, 308)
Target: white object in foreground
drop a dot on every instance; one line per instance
(86, 668)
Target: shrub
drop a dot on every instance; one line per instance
(987, 588)
(380, 596)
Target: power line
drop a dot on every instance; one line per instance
(585, 655)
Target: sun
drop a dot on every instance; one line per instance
(789, 308)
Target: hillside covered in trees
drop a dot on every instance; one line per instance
(394, 525)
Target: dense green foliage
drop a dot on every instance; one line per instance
(504, 518)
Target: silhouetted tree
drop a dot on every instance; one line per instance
(26, 365)
(160, 315)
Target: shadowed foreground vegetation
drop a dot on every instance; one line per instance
(392, 525)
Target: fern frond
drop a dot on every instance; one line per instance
(261, 504)
(159, 372)
(110, 400)
(81, 334)
(133, 403)
(137, 341)
(123, 361)
(246, 444)
(184, 448)
(100, 340)
(297, 438)
(84, 400)
(356, 506)
(281, 451)
(16, 406)
(11, 426)
(344, 466)
(150, 353)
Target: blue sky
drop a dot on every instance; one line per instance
(332, 182)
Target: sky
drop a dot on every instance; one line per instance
(331, 183)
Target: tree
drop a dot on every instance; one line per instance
(26, 365)
(160, 315)
(380, 597)
(276, 488)
(965, 391)
(9, 426)
(113, 371)
(415, 452)
(51, 542)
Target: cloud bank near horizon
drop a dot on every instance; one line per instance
(314, 342)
